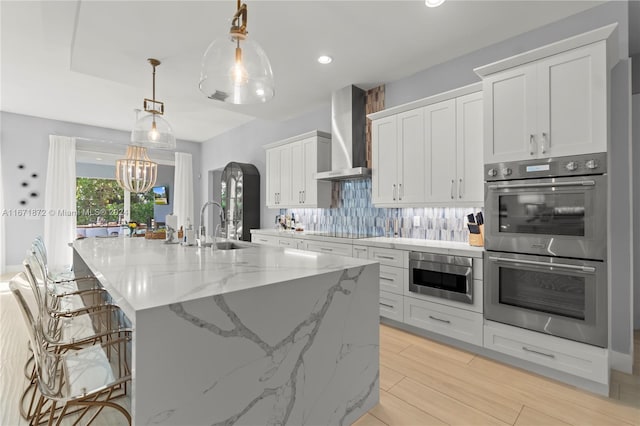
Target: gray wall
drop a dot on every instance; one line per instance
(636, 207)
(245, 144)
(25, 140)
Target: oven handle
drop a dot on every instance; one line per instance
(543, 185)
(545, 264)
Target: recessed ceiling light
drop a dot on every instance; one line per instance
(433, 3)
(324, 59)
(260, 92)
(99, 158)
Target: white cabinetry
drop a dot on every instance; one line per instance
(428, 152)
(564, 355)
(329, 248)
(291, 168)
(398, 159)
(551, 101)
(279, 176)
(452, 322)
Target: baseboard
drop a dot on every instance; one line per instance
(621, 362)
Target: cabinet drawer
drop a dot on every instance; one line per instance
(287, 242)
(392, 279)
(361, 252)
(329, 248)
(389, 257)
(264, 239)
(567, 356)
(476, 306)
(391, 306)
(452, 322)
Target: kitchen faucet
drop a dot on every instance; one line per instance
(202, 232)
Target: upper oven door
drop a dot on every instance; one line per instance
(553, 216)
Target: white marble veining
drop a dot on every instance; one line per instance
(258, 336)
(143, 274)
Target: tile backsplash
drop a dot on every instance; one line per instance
(355, 215)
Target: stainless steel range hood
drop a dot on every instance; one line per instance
(348, 144)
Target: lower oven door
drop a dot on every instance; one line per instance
(549, 217)
(562, 297)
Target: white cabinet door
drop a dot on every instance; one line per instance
(384, 147)
(469, 167)
(309, 186)
(510, 115)
(297, 172)
(286, 187)
(440, 139)
(572, 103)
(273, 177)
(411, 154)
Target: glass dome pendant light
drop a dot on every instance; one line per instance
(152, 130)
(235, 69)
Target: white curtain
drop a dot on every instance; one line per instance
(60, 201)
(183, 189)
(2, 232)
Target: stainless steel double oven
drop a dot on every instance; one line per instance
(545, 236)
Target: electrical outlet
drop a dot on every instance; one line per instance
(416, 221)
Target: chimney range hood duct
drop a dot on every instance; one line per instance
(348, 144)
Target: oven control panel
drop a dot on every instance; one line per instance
(575, 165)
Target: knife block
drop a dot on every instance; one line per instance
(477, 240)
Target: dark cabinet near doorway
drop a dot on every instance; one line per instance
(240, 195)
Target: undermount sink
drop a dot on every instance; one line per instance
(229, 245)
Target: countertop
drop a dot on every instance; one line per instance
(414, 244)
(143, 274)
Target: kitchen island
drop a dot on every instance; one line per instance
(252, 336)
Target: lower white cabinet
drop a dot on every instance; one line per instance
(360, 252)
(564, 355)
(268, 240)
(451, 322)
(391, 306)
(329, 248)
(392, 279)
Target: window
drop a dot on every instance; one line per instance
(102, 201)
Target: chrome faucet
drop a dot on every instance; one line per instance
(202, 231)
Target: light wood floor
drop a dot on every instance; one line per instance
(427, 383)
(421, 383)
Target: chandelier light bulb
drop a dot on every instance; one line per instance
(239, 73)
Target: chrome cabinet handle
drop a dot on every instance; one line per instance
(545, 264)
(452, 184)
(524, 348)
(386, 257)
(304, 196)
(394, 191)
(359, 249)
(544, 139)
(439, 319)
(544, 185)
(326, 249)
(386, 305)
(460, 189)
(399, 192)
(386, 279)
(531, 143)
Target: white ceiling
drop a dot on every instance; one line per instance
(85, 61)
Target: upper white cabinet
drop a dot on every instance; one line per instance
(429, 152)
(291, 168)
(398, 154)
(551, 101)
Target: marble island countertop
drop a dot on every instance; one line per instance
(143, 274)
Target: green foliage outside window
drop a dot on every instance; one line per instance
(104, 199)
